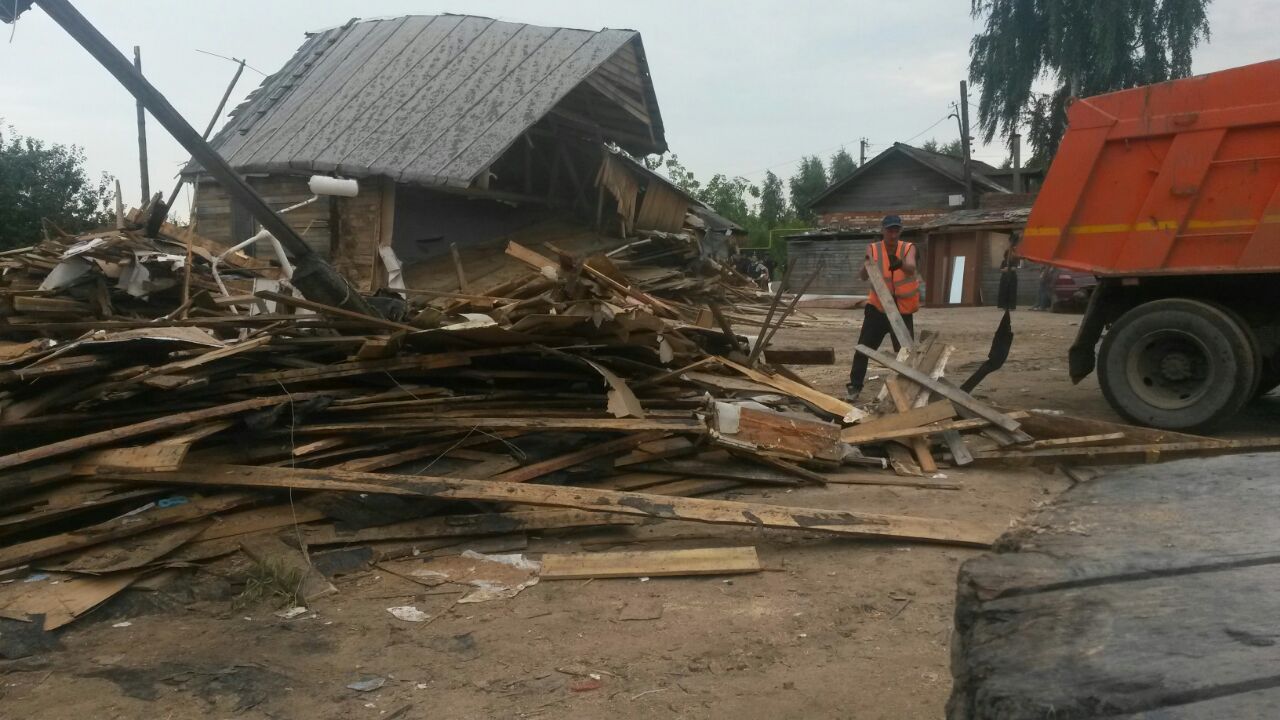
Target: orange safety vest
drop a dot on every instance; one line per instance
(906, 290)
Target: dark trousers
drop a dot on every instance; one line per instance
(875, 325)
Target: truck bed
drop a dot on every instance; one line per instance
(1182, 177)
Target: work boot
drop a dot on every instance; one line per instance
(851, 392)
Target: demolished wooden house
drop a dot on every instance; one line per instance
(462, 131)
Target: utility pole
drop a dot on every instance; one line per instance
(862, 152)
(142, 136)
(969, 200)
(315, 277)
(209, 128)
(1017, 162)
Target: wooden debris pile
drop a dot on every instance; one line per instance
(122, 275)
(129, 445)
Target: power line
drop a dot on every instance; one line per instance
(234, 60)
(833, 147)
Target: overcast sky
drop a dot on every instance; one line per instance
(744, 85)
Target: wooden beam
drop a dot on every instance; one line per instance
(463, 285)
(822, 401)
(890, 305)
(954, 394)
(530, 424)
(1079, 441)
(872, 430)
(577, 457)
(800, 356)
(960, 454)
(117, 528)
(1142, 453)
(838, 522)
(464, 526)
(335, 311)
(919, 445)
(939, 428)
(656, 563)
(147, 426)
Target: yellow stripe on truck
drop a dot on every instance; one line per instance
(1148, 226)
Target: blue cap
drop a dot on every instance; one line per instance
(891, 221)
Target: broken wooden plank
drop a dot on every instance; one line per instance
(656, 450)
(1121, 454)
(1045, 424)
(753, 429)
(871, 479)
(622, 401)
(822, 401)
(529, 424)
(902, 460)
(935, 363)
(740, 471)
(120, 527)
(104, 437)
(577, 457)
(541, 263)
(890, 305)
(690, 487)
(856, 524)
(335, 312)
(128, 553)
(463, 285)
(800, 356)
(270, 552)
(880, 428)
(20, 481)
(258, 519)
(919, 446)
(464, 526)
(60, 598)
(655, 563)
(1079, 441)
(960, 453)
(954, 394)
(159, 456)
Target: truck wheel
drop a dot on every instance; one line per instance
(1177, 364)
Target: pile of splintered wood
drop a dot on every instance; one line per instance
(131, 444)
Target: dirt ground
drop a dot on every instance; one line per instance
(835, 629)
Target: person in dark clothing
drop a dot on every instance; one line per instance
(1007, 295)
(896, 260)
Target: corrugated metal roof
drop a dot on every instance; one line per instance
(428, 99)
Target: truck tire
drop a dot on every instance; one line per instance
(1178, 364)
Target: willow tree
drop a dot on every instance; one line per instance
(1078, 48)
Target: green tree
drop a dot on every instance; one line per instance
(728, 197)
(954, 148)
(1085, 47)
(39, 181)
(773, 203)
(842, 164)
(676, 172)
(808, 183)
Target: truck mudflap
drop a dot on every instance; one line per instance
(1082, 358)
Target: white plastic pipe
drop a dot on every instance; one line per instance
(341, 187)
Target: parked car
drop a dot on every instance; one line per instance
(1071, 291)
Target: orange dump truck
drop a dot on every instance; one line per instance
(1170, 195)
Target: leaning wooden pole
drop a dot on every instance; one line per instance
(313, 275)
(144, 171)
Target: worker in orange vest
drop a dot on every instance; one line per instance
(897, 262)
